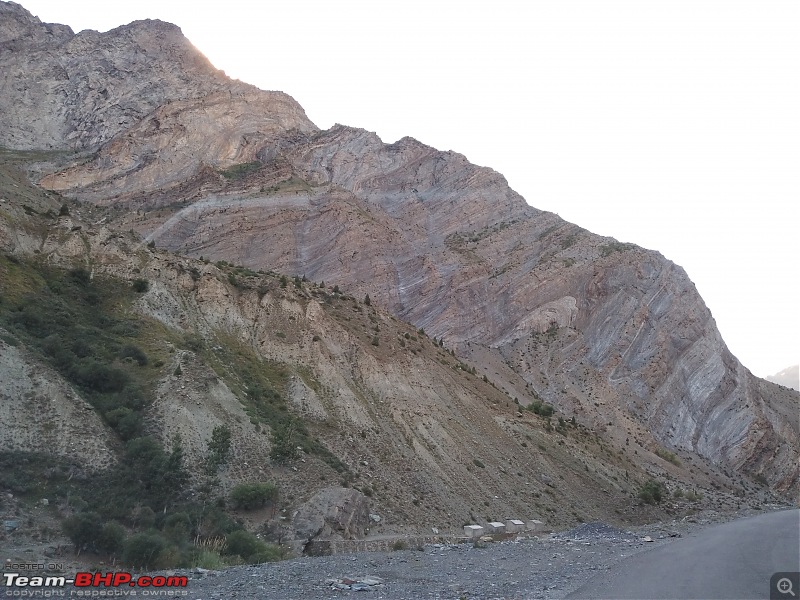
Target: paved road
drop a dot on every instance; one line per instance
(730, 561)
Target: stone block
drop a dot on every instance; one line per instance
(514, 526)
(473, 531)
(496, 527)
(534, 526)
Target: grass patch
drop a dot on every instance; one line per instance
(241, 170)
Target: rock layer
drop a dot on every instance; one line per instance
(612, 334)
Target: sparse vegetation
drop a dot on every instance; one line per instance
(615, 246)
(668, 456)
(219, 447)
(652, 492)
(249, 496)
(241, 170)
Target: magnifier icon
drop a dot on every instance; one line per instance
(784, 586)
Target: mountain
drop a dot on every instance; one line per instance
(508, 306)
(788, 377)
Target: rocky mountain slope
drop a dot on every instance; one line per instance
(610, 334)
(380, 406)
(789, 377)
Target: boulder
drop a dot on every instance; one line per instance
(332, 513)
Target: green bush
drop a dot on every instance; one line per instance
(81, 529)
(177, 527)
(284, 447)
(134, 352)
(219, 447)
(142, 549)
(111, 538)
(250, 549)
(668, 456)
(652, 492)
(127, 422)
(140, 286)
(253, 495)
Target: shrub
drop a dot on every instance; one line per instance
(283, 442)
(142, 549)
(652, 492)
(251, 549)
(81, 276)
(367, 300)
(81, 529)
(253, 495)
(694, 496)
(219, 447)
(134, 352)
(668, 456)
(177, 527)
(111, 538)
(63, 211)
(99, 377)
(127, 422)
(140, 286)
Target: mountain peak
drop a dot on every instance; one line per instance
(20, 28)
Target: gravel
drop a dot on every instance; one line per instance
(550, 566)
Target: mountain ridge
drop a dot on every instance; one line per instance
(610, 334)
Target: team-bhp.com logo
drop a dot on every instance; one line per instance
(93, 585)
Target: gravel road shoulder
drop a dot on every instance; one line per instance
(550, 566)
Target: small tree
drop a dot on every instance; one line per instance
(219, 447)
(111, 538)
(367, 300)
(81, 529)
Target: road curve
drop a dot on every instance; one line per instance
(726, 562)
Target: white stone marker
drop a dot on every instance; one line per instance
(514, 526)
(473, 531)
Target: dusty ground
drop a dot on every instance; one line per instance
(537, 567)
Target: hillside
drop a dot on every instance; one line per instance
(212, 251)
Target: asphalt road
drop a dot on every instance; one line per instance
(729, 561)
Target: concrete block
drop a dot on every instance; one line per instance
(496, 527)
(473, 531)
(534, 526)
(514, 526)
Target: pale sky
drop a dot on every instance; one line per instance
(671, 124)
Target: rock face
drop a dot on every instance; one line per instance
(76, 92)
(333, 513)
(41, 410)
(611, 334)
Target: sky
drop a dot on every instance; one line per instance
(671, 124)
